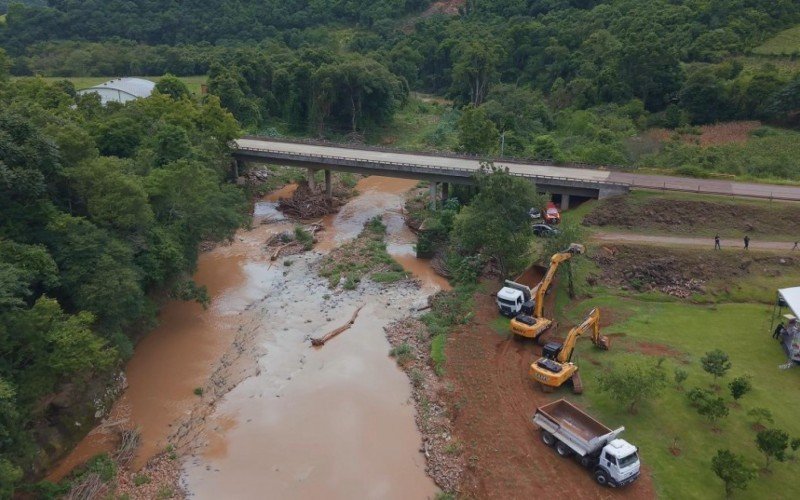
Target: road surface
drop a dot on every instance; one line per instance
(642, 181)
(726, 244)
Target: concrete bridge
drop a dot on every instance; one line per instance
(565, 182)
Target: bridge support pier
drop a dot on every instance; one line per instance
(433, 194)
(328, 184)
(445, 191)
(310, 178)
(564, 201)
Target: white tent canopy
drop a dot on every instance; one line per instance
(792, 298)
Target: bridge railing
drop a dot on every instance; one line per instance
(464, 172)
(445, 154)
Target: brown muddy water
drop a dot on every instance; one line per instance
(336, 421)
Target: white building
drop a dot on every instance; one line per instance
(121, 89)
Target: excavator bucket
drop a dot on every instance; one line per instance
(577, 383)
(604, 342)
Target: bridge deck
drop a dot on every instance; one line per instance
(535, 170)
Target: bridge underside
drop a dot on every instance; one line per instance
(559, 186)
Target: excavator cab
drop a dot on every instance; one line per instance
(551, 350)
(528, 307)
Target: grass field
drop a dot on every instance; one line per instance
(82, 82)
(785, 43)
(686, 332)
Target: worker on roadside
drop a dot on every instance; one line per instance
(795, 246)
(716, 243)
(746, 242)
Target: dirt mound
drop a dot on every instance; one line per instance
(710, 135)
(693, 217)
(682, 272)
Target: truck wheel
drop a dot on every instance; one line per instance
(548, 438)
(587, 461)
(601, 477)
(563, 449)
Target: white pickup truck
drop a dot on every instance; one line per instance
(614, 461)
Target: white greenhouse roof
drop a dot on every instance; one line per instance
(138, 87)
(792, 298)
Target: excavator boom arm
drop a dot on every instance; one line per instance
(544, 285)
(592, 321)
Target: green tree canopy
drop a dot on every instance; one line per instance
(496, 223)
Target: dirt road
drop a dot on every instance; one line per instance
(726, 244)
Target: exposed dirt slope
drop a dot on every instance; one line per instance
(495, 401)
(695, 216)
(682, 271)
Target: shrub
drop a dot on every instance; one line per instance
(733, 471)
(680, 377)
(633, 382)
(716, 362)
(304, 238)
(403, 353)
(740, 386)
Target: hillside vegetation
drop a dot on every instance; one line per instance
(102, 210)
(785, 43)
(559, 80)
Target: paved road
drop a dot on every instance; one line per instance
(726, 244)
(686, 184)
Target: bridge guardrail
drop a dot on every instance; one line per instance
(447, 154)
(435, 168)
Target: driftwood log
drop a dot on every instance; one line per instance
(320, 341)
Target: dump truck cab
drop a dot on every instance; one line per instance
(572, 432)
(618, 464)
(514, 298)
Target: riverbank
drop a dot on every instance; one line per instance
(243, 388)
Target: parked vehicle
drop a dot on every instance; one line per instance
(535, 214)
(545, 231)
(551, 214)
(613, 461)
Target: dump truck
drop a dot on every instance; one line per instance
(613, 461)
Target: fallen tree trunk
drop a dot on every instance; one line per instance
(320, 341)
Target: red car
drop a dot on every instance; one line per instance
(551, 215)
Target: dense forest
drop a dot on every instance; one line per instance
(103, 208)
(100, 207)
(677, 58)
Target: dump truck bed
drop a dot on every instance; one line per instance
(573, 426)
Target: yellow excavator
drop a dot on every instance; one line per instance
(554, 367)
(531, 323)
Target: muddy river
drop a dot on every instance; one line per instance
(302, 422)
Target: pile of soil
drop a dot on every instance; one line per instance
(445, 461)
(687, 217)
(682, 272)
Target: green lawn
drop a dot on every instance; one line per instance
(785, 43)
(82, 82)
(739, 329)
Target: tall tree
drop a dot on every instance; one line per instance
(496, 223)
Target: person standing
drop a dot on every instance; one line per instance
(795, 246)
(746, 242)
(716, 243)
